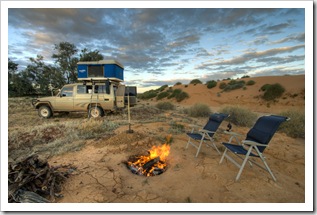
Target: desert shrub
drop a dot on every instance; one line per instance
(240, 116)
(181, 96)
(174, 93)
(93, 128)
(265, 87)
(165, 106)
(198, 110)
(162, 95)
(245, 76)
(295, 127)
(273, 91)
(222, 85)
(178, 83)
(195, 81)
(176, 128)
(148, 95)
(250, 82)
(233, 85)
(211, 84)
(162, 88)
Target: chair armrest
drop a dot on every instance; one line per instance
(194, 126)
(206, 131)
(232, 133)
(252, 143)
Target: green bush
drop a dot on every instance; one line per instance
(240, 116)
(198, 110)
(250, 82)
(162, 95)
(174, 93)
(178, 83)
(295, 127)
(245, 76)
(195, 81)
(148, 94)
(181, 96)
(222, 85)
(265, 87)
(162, 88)
(211, 84)
(165, 106)
(273, 91)
(233, 85)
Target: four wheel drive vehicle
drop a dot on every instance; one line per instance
(94, 97)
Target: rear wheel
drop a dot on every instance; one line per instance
(95, 112)
(45, 111)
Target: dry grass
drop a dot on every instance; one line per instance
(28, 133)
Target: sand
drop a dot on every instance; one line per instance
(102, 176)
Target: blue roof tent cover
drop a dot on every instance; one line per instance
(100, 70)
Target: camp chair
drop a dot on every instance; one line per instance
(256, 141)
(207, 133)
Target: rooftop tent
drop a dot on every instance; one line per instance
(100, 70)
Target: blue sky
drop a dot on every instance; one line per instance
(161, 46)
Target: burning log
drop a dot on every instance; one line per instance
(34, 180)
(151, 164)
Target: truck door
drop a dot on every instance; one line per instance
(120, 96)
(65, 100)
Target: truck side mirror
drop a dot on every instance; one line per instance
(108, 87)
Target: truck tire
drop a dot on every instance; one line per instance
(95, 112)
(45, 111)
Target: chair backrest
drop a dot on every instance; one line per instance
(264, 129)
(214, 122)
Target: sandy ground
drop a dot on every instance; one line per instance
(102, 176)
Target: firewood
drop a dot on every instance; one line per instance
(33, 180)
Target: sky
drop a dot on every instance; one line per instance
(159, 46)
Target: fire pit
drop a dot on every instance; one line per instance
(152, 164)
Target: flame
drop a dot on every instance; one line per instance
(157, 155)
(161, 152)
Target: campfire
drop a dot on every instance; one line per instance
(152, 164)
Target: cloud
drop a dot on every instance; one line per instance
(162, 41)
(248, 56)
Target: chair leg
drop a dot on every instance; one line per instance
(200, 144)
(244, 162)
(188, 143)
(267, 167)
(223, 155)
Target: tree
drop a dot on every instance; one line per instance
(18, 82)
(44, 77)
(12, 70)
(66, 60)
(90, 55)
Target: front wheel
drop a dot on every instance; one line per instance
(95, 112)
(45, 112)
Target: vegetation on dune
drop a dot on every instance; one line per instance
(295, 127)
(250, 82)
(272, 91)
(240, 116)
(195, 81)
(211, 84)
(198, 110)
(165, 106)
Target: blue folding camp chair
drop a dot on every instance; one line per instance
(207, 133)
(256, 141)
